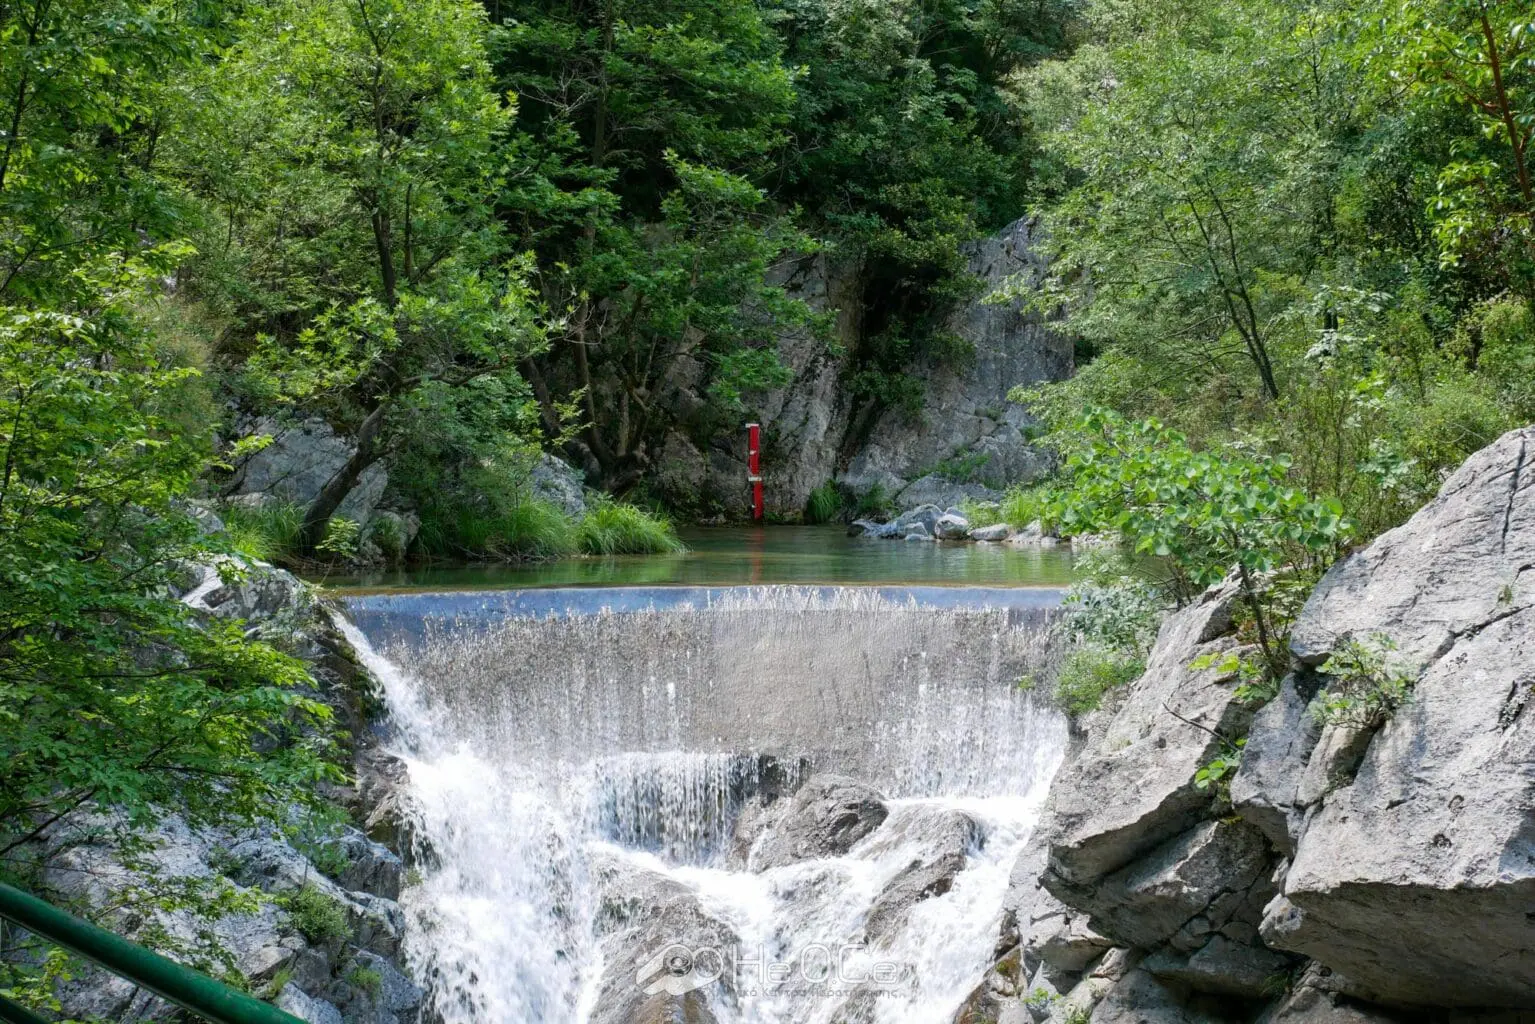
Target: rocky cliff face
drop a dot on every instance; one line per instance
(310, 923)
(1373, 871)
(810, 431)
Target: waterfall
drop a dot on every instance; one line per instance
(570, 774)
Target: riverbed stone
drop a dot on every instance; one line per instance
(824, 818)
(939, 844)
(951, 527)
(992, 534)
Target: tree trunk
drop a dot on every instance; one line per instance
(317, 517)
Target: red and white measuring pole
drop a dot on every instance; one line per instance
(754, 467)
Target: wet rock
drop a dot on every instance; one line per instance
(1132, 787)
(1414, 866)
(918, 533)
(951, 527)
(992, 534)
(663, 954)
(998, 999)
(939, 845)
(923, 517)
(825, 818)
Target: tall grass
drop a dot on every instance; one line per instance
(613, 528)
(1023, 505)
(530, 528)
(268, 532)
(824, 504)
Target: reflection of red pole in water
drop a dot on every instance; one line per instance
(754, 467)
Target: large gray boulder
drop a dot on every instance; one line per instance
(1413, 871)
(560, 484)
(826, 817)
(301, 459)
(663, 955)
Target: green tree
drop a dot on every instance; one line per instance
(644, 126)
(1202, 514)
(904, 145)
(356, 252)
(85, 102)
(112, 692)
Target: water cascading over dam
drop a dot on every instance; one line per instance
(587, 791)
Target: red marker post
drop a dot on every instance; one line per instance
(754, 467)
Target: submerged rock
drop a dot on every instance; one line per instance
(825, 818)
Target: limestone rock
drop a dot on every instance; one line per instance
(1461, 562)
(991, 534)
(1188, 888)
(300, 461)
(825, 818)
(1316, 999)
(560, 484)
(1223, 967)
(1414, 874)
(924, 517)
(296, 1001)
(998, 999)
(1139, 998)
(662, 953)
(967, 416)
(1132, 787)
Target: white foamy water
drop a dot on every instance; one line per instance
(569, 776)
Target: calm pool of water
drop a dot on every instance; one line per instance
(738, 556)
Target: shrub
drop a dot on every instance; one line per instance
(1364, 687)
(1023, 505)
(614, 528)
(875, 503)
(365, 978)
(1199, 513)
(1090, 672)
(342, 537)
(824, 504)
(316, 915)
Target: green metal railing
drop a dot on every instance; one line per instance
(192, 990)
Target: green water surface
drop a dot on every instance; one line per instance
(736, 556)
